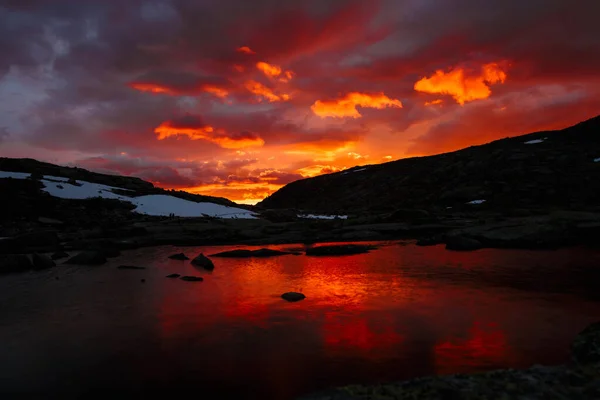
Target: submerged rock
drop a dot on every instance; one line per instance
(88, 258)
(191, 278)
(585, 349)
(462, 243)
(59, 254)
(130, 267)
(179, 256)
(41, 261)
(173, 276)
(203, 262)
(14, 263)
(339, 250)
(293, 296)
(242, 253)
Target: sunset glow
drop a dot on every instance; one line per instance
(462, 87)
(300, 87)
(346, 106)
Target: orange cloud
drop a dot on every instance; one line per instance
(287, 76)
(433, 102)
(346, 106)
(261, 90)
(246, 50)
(206, 132)
(157, 88)
(461, 87)
(150, 87)
(269, 70)
(217, 91)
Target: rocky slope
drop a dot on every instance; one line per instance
(139, 186)
(543, 170)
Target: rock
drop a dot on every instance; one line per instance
(409, 214)
(49, 221)
(585, 349)
(37, 239)
(242, 253)
(179, 256)
(431, 241)
(109, 251)
(360, 235)
(59, 254)
(203, 262)
(88, 258)
(462, 243)
(142, 280)
(293, 296)
(41, 261)
(282, 215)
(130, 267)
(14, 263)
(338, 250)
(173, 276)
(191, 278)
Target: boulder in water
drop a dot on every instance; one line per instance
(192, 278)
(173, 276)
(338, 250)
(179, 256)
(203, 262)
(293, 296)
(130, 267)
(243, 253)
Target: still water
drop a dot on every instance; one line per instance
(398, 312)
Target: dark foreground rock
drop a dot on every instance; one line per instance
(173, 276)
(586, 346)
(14, 263)
(203, 262)
(59, 255)
(243, 253)
(88, 258)
(580, 380)
(130, 267)
(41, 261)
(462, 243)
(179, 256)
(293, 296)
(338, 250)
(192, 278)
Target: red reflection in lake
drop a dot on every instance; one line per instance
(398, 312)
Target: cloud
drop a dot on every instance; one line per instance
(261, 91)
(433, 102)
(246, 50)
(194, 128)
(269, 70)
(346, 106)
(462, 86)
(180, 83)
(4, 134)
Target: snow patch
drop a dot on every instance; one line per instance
(476, 202)
(14, 175)
(160, 205)
(358, 170)
(314, 216)
(597, 159)
(535, 141)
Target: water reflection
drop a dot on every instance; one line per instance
(398, 312)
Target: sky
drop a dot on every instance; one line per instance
(236, 98)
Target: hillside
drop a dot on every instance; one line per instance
(137, 185)
(542, 170)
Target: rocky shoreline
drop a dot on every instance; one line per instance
(460, 232)
(579, 379)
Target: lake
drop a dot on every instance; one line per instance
(399, 312)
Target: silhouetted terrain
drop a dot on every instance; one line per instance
(556, 171)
